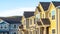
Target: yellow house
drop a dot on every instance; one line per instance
(28, 22)
(42, 22)
(45, 19)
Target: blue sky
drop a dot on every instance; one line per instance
(17, 7)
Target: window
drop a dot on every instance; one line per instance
(27, 23)
(27, 20)
(53, 31)
(53, 15)
(5, 27)
(30, 32)
(20, 32)
(1, 27)
(38, 16)
(14, 26)
(37, 31)
(34, 21)
(24, 22)
(30, 21)
(43, 15)
(34, 32)
(49, 14)
(6, 33)
(14, 32)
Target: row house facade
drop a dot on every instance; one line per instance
(44, 20)
(9, 25)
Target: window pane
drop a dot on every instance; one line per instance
(14, 26)
(30, 21)
(34, 21)
(43, 15)
(53, 15)
(34, 32)
(24, 22)
(1, 27)
(53, 31)
(14, 32)
(37, 31)
(38, 16)
(27, 23)
(30, 32)
(49, 14)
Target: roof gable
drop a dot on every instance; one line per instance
(45, 5)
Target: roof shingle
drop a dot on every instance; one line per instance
(12, 20)
(28, 14)
(45, 5)
(56, 3)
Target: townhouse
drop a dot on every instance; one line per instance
(9, 25)
(28, 22)
(46, 19)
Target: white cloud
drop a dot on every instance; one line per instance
(16, 12)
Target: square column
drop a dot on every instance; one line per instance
(39, 30)
(44, 30)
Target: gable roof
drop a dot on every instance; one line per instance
(56, 3)
(45, 21)
(12, 20)
(45, 5)
(28, 14)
